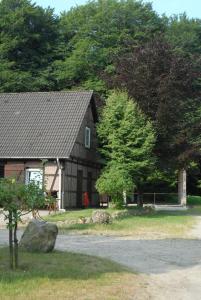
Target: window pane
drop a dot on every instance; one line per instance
(35, 176)
(87, 137)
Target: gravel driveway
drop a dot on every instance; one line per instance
(172, 267)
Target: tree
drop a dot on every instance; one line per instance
(18, 199)
(127, 138)
(184, 34)
(93, 33)
(165, 85)
(115, 181)
(28, 38)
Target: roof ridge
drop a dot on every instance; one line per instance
(73, 92)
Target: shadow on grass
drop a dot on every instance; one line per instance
(56, 265)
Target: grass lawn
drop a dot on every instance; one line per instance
(62, 275)
(156, 225)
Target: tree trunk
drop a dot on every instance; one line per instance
(15, 242)
(125, 198)
(10, 228)
(140, 199)
(182, 187)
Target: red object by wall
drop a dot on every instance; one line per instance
(86, 200)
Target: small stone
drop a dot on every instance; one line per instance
(88, 220)
(120, 214)
(101, 217)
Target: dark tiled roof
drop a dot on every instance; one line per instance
(41, 125)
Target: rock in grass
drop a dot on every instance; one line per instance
(101, 217)
(120, 214)
(39, 236)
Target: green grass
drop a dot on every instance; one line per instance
(70, 215)
(194, 200)
(173, 199)
(156, 225)
(61, 275)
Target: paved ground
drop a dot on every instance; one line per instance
(25, 218)
(172, 267)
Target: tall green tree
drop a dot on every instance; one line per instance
(28, 37)
(184, 34)
(93, 33)
(127, 137)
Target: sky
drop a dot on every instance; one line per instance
(169, 7)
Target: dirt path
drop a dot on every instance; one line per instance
(196, 230)
(171, 267)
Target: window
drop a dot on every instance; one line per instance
(87, 137)
(34, 175)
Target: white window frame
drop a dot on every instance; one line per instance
(87, 138)
(28, 170)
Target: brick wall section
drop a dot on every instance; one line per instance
(16, 170)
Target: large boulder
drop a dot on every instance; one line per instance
(101, 217)
(39, 236)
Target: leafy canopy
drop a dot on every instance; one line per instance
(127, 139)
(19, 197)
(165, 84)
(93, 33)
(28, 38)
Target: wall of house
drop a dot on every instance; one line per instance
(17, 169)
(79, 150)
(82, 160)
(71, 180)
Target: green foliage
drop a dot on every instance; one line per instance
(114, 181)
(193, 200)
(17, 199)
(93, 33)
(28, 35)
(127, 139)
(15, 196)
(165, 84)
(184, 34)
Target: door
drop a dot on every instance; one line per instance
(1, 170)
(89, 186)
(79, 188)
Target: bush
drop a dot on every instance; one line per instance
(194, 200)
(114, 181)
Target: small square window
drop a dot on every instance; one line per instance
(34, 175)
(87, 141)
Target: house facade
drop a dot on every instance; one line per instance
(50, 138)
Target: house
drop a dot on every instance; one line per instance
(50, 137)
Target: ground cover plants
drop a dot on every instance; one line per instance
(156, 224)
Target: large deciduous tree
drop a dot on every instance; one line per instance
(184, 34)
(28, 38)
(165, 85)
(93, 33)
(128, 139)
